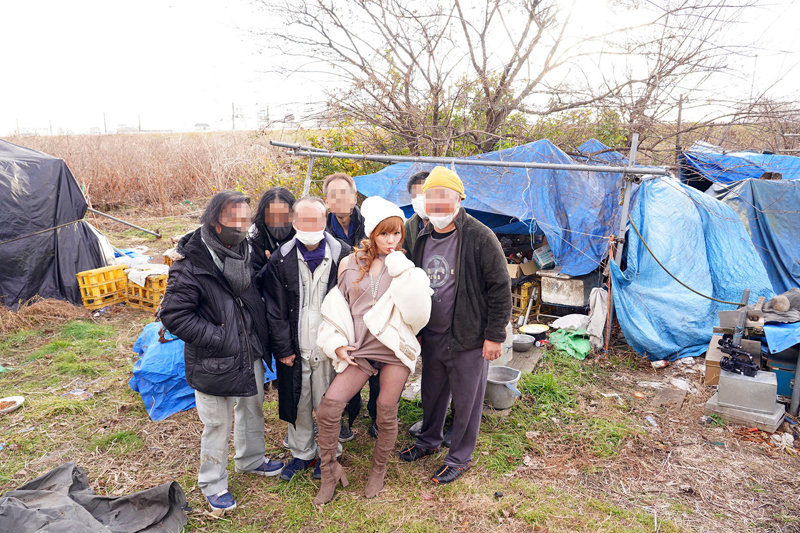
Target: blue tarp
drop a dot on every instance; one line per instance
(736, 166)
(159, 375)
(575, 210)
(704, 244)
(770, 211)
(781, 336)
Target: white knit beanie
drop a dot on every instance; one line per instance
(375, 210)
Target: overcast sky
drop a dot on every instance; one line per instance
(174, 63)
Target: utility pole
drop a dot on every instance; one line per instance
(105, 130)
(139, 116)
(233, 116)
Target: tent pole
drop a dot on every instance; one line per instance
(156, 234)
(307, 181)
(623, 222)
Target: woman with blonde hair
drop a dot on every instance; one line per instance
(369, 326)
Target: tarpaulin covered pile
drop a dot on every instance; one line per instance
(61, 501)
(770, 211)
(704, 164)
(43, 240)
(576, 210)
(703, 243)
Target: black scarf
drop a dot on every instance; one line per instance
(235, 261)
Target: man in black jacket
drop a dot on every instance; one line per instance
(272, 225)
(294, 282)
(470, 310)
(212, 305)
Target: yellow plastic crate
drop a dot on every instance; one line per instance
(102, 286)
(520, 296)
(148, 297)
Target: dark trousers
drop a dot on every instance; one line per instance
(462, 376)
(354, 405)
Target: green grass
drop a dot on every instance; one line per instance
(120, 442)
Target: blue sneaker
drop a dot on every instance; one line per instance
(267, 468)
(294, 466)
(222, 501)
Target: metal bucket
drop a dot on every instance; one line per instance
(501, 387)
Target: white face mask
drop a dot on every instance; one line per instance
(418, 203)
(309, 238)
(442, 222)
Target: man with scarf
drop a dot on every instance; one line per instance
(296, 280)
(212, 305)
(272, 225)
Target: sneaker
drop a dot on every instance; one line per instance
(415, 429)
(373, 429)
(345, 433)
(222, 501)
(317, 470)
(286, 442)
(294, 466)
(447, 474)
(414, 452)
(267, 468)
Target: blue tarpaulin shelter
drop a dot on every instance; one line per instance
(770, 212)
(704, 164)
(575, 210)
(702, 242)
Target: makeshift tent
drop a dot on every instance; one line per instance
(576, 210)
(770, 211)
(43, 240)
(702, 242)
(703, 165)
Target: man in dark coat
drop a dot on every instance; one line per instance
(294, 283)
(272, 225)
(418, 220)
(346, 222)
(470, 310)
(212, 305)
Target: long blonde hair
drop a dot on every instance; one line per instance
(368, 248)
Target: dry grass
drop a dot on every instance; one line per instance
(36, 313)
(163, 170)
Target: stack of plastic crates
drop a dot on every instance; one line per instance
(148, 297)
(102, 287)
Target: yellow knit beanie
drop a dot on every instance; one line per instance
(443, 177)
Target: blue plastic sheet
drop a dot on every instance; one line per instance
(782, 336)
(704, 244)
(736, 166)
(770, 211)
(159, 375)
(575, 210)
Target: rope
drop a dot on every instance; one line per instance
(670, 273)
(39, 232)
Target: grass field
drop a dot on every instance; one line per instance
(566, 457)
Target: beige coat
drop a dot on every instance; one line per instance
(395, 319)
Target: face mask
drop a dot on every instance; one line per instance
(418, 203)
(309, 238)
(231, 236)
(442, 222)
(280, 232)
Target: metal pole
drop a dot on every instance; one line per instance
(645, 170)
(307, 182)
(115, 219)
(623, 222)
(795, 390)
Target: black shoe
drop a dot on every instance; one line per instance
(414, 452)
(448, 435)
(373, 429)
(345, 433)
(448, 474)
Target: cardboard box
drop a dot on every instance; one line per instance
(714, 354)
(514, 270)
(529, 268)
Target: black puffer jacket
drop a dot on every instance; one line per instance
(224, 334)
(280, 286)
(262, 241)
(483, 287)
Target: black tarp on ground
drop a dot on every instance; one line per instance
(61, 501)
(38, 192)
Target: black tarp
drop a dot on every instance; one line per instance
(43, 240)
(61, 501)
